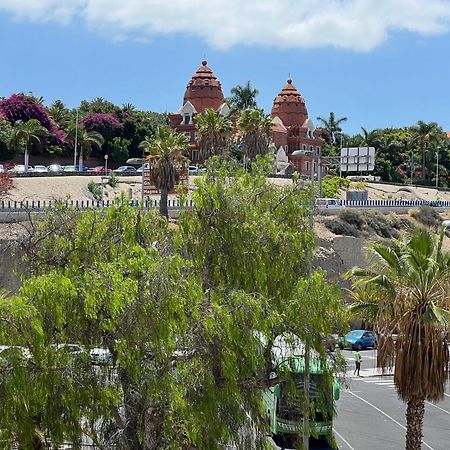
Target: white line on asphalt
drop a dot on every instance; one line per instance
(438, 407)
(342, 439)
(386, 415)
(446, 395)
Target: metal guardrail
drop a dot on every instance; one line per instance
(48, 205)
(394, 203)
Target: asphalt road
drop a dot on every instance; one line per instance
(371, 417)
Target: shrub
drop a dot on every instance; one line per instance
(426, 215)
(352, 217)
(332, 185)
(380, 224)
(113, 180)
(338, 226)
(95, 190)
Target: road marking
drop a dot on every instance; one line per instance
(438, 407)
(342, 439)
(386, 415)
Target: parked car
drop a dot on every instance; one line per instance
(99, 169)
(55, 168)
(125, 170)
(100, 355)
(146, 167)
(193, 170)
(81, 168)
(14, 351)
(20, 168)
(358, 340)
(69, 168)
(328, 203)
(2, 169)
(40, 169)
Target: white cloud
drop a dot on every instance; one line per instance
(354, 24)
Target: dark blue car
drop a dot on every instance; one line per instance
(358, 340)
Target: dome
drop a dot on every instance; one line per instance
(204, 90)
(290, 106)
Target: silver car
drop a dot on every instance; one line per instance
(40, 169)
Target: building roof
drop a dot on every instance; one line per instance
(290, 106)
(204, 89)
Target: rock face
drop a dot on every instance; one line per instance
(338, 255)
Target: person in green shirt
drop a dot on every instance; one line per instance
(357, 363)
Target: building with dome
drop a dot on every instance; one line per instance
(203, 91)
(294, 130)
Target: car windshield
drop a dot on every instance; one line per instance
(355, 333)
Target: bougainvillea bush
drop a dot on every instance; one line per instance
(25, 107)
(105, 124)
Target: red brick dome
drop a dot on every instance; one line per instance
(204, 90)
(290, 106)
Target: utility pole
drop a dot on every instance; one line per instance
(76, 140)
(437, 166)
(319, 174)
(306, 374)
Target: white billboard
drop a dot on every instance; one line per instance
(357, 159)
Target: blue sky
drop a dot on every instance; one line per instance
(374, 67)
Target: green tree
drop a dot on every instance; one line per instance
(165, 153)
(60, 114)
(243, 97)
(424, 134)
(331, 126)
(405, 292)
(214, 131)
(183, 321)
(86, 140)
(255, 129)
(119, 149)
(27, 134)
(6, 150)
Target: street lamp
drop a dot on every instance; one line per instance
(76, 141)
(437, 166)
(137, 161)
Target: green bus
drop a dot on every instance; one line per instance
(285, 402)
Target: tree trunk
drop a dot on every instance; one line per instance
(163, 202)
(132, 411)
(414, 422)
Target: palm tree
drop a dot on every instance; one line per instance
(406, 292)
(243, 97)
(370, 138)
(215, 131)
(332, 126)
(27, 133)
(256, 131)
(85, 140)
(165, 153)
(424, 134)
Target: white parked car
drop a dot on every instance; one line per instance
(20, 168)
(2, 169)
(193, 170)
(40, 169)
(100, 355)
(328, 203)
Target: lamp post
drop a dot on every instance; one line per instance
(437, 166)
(76, 140)
(137, 161)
